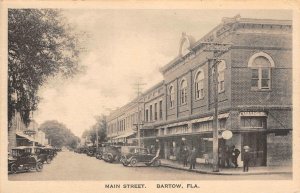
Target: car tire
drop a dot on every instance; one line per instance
(39, 166)
(13, 168)
(133, 162)
(48, 160)
(110, 158)
(125, 163)
(148, 164)
(156, 163)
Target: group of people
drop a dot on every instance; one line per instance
(189, 156)
(228, 156)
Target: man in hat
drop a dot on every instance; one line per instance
(246, 158)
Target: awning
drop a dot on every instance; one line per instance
(178, 124)
(26, 136)
(125, 135)
(210, 118)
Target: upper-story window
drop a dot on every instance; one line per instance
(221, 76)
(147, 115)
(261, 64)
(151, 113)
(183, 92)
(160, 110)
(155, 111)
(199, 85)
(172, 96)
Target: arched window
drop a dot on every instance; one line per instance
(183, 92)
(260, 64)
(172, 96)
(199, 85)
(221, 76)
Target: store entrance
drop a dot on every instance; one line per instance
(257, 142)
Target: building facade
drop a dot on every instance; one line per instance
(20, 135)
(254, 91)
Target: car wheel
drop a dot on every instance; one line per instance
(133, 162)
(156, 163)
(48, 160)
(39, 166)
(110, 158)
(148, 164)
(13, 168)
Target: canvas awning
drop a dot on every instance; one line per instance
(210, 118)
(26, 136)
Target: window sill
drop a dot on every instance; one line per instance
(260, 90)
(199, 99)
(222, 91)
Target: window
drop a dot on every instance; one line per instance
(172, 96)
(260, 65)
(150, 112)
(155, 111)
(147, 114)
(199, 85)
(160, 110)
(253, 122)
(221, 76)
(183, 92)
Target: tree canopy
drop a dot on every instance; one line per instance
(100, 126)
(59, 135)
(40, 44)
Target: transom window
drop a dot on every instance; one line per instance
(183, 92)
(260, 65)
(199, 85)
(172, 96)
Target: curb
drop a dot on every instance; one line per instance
(223, 173)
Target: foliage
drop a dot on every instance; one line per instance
(40, 44)
(100, 126)
(59, 135)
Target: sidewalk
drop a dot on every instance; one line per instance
(207, 169)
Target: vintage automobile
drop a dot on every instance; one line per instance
(23, 158)
(99, 152)
(91, 151)
(133, 155)
(43, 155)
(111, 153)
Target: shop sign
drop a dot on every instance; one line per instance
(29, 132)
(253, 114)
(226, 134)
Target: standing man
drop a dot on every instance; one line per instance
(246, 158)
(185, 155)
(235, 154)
(193, 158)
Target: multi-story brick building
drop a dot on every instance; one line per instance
(254, 94)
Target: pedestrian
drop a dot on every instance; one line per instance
(246, 158)
(193, 158)
(227, 156)
(185, 155)
(235, 154)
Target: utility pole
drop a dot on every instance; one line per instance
(97, 138)
(138, 89)
(218, 49)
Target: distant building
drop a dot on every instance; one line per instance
(254, 92)
(20, 135)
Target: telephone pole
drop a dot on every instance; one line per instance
(218, 49)
(138, 87)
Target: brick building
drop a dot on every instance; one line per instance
(254, 95)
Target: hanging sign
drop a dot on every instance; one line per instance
(29, 132)
(226, 134)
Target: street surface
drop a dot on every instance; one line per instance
(72, 166)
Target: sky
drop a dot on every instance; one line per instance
(124, 46)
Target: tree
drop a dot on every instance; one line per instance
(40, 44)
(100, 126)
(59, 134)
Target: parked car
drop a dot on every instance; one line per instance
(23, 158)
(44, 154)
(99, 152)
(91, 151)
(111, 153)
(133, 155)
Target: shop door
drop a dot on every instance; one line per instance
(257, 143)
